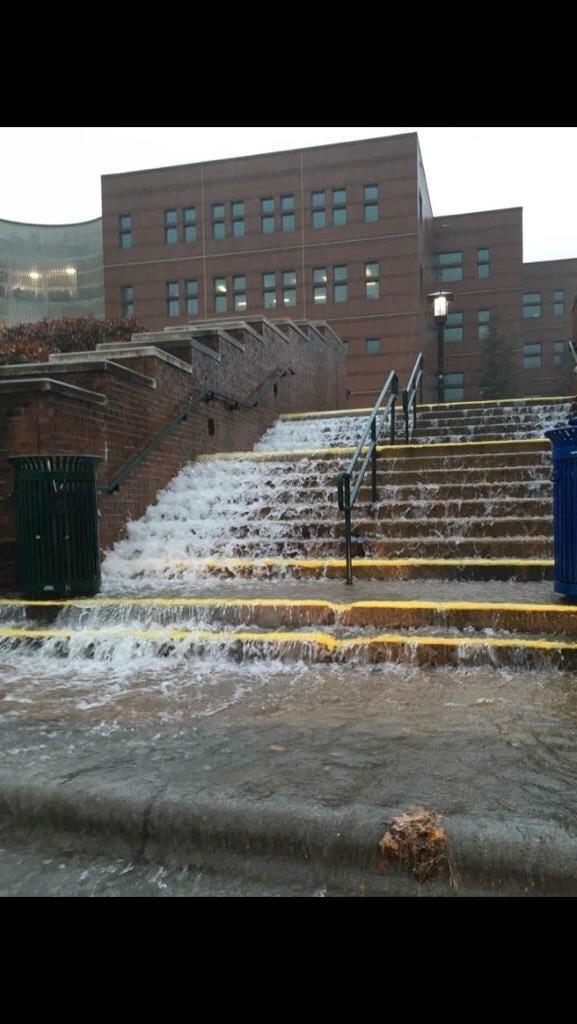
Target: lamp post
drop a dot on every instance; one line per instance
(440, 302)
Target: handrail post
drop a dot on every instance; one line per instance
(405, 398)
(374, 461)
(394, 392)
(344, 493)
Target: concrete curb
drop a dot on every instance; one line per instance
(272, 839)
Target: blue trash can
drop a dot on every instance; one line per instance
(564, 441)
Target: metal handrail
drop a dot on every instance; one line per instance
(409, 396)
(233, 403)
(347, 493)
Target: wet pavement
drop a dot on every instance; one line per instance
(321, 743)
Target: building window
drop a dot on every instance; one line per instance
(267, 220)
(453, 330)
(289, 294)
(532, 355)
(372, 346)
(127, 300)
(288, 220)
(454, 387)
(340, 284)
(125, 231)
(559, 352)
(220, 295)
(189, 217)
(559, 302)
(531, 305)
(171, 227)
(371, 203)
(339, 207)
(484, 324)
(372, 281)
(320, 281)
(239, 293)
(238, 219)
(172, 298)
(218, 221)
(319, 209)
(191, 297)
(483, 263)
(450, 266)
(269, 291)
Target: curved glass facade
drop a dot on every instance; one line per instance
(49, 271)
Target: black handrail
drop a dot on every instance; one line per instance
(409, 396)
(204, 396)
(347, 495)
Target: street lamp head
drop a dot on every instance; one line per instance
(440, 302)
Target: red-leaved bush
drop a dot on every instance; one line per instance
(33, 343)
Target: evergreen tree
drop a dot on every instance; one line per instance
(497, 378)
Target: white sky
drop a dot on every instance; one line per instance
(52, 175)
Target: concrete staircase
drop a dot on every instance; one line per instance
(243, 553)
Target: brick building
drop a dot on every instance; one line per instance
(343, 233)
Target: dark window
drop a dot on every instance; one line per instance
(218, 221)
(531, 305)
(372, 346)
(267, 206)
(484, 324)
(319, 218)
(559, 302)
(238, 228)
(320, 279)
(287, 204)
(453, 330)
(191, 297)
(189, 217)
(449, 266)
(171, 236)
(269, 291)
(339, 207)
(267, 225)
(173, 298)
(371, 203)
(171, 216)
(288, 222)
(483, 263)
(454, 387)
(340, 283)
(559, 352)
(125, 231)
(127, 300)
(532, 355)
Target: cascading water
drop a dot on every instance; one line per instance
(269, 507)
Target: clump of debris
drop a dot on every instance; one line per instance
(416, 842)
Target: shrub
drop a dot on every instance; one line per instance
(31, 343)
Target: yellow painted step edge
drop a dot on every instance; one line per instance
(286, 602)
(321, 452)
(530, 400)
(319, 639)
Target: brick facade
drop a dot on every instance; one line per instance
(404, 241)
(113, 408)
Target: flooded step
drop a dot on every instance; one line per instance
(295, 613)
(315, 646)
(319, 457)
(171, 571)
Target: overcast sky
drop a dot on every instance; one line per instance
(52, 175)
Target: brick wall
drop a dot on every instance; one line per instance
(115, 414)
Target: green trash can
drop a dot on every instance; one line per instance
(57, 525)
